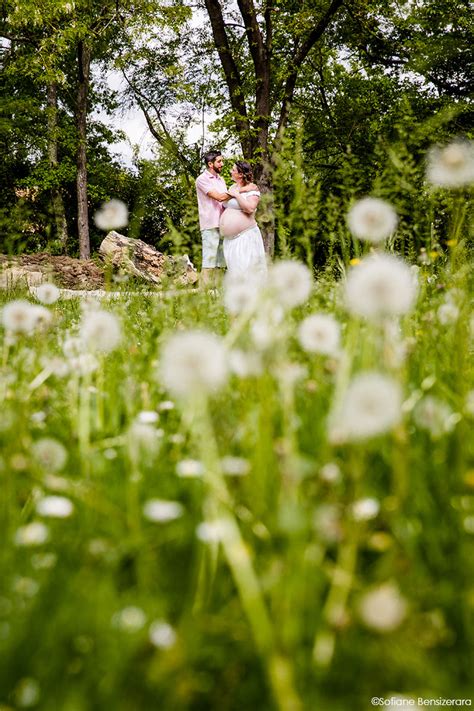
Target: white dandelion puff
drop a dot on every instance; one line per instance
(130, 619)
(371, 406)
(100, 331)
(384, 608)
(214, 531)
(33, 534)
(161, 511)
(320, 333)
(381, 285)
(19, 316)
(27, 693)
(327, 523)
(448, 313)
(434, 416)
(148, 417)
(84, 364)
(112, 216)
(451, 166)
(372, 219)
(235, 466)
(194, 362)
(50, 454)
(166, 406)
(189, 468)
(161, 634)
(42, 317)
(330, 472)
(365, 509)
(55, 507)
(290, 283)
(47, 293)
(241, 294)
(245, 364)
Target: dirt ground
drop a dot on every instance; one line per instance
(65, 272)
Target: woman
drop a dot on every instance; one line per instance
(243, 243)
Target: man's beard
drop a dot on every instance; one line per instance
(218, 168)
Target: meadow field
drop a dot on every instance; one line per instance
(251, 498)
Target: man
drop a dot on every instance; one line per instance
(211, 193)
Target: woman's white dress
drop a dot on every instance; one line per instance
(244, 254)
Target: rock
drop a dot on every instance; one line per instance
(10, 276)
(137, 258)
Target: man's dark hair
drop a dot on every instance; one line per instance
(211, 156)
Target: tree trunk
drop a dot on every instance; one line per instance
(57, 201)
(84, 60)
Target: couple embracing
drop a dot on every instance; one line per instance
(230, 235)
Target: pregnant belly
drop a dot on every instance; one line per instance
(235, 221)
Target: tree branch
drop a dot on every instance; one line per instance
(231, 73)
(301, 54)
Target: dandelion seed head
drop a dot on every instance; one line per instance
(19, 316)
(161, 511)
(372, 219)
(245, 364)
(100, 331)
(365, 509)
(241, 294)
(330, 472)
(448, 313)
(381, 285)
(327, 522)
(193, 362)
(113, 215)
(213, 531)
(55, 507)
(50, 454)
(289, 283)
(148, 417)
(451, 166)
(320, 333)
(162, 635)
(189, 468)
(235, 466)
(371, 406)
(33, 534)
(434, 416)
(47, 293)
(383, 609)
(27, 693)
(130, 619)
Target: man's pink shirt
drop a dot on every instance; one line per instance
(209, 210)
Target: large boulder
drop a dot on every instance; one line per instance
(139, 259)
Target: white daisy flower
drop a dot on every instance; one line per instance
(47, 293)
(320, 333)
(55, 507)
(193, 362)
(100, 331)
(451, 166)
(372, 219)
(371, 406)
(160, 511)
(384, 608)
(381, 285)
(112, 216)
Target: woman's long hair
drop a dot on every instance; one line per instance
(245, 170)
